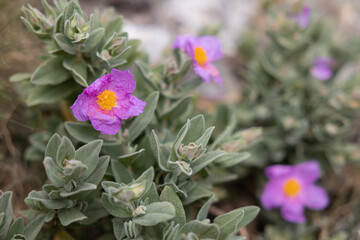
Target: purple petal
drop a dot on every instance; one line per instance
(308, 171)
(121, 81)
(129, 106)
(278, 171)
(316, 197)
(106, 126)
(211, 45)
(182, 41)
(98, 85)
(273, 195)
(83, 106)
(322, 73)
(303, 18)
(208, 72)
(293, 212)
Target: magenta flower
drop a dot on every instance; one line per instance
(107, 101)
(303, 18)
(203, 51)
(292, 188)
(322, 68)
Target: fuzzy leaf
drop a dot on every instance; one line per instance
(51, 72)
(71, 215)
(142, 121)
(156, 213)
(83, 132)
(93, 40)
(78, 68)
(65, 43)
(168, 194)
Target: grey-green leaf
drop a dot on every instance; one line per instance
(156, 213)
(71, 215)
(51, 72)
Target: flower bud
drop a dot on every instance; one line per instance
(140, 210)
(74, 168)
(129, 193)
(191, 151)
(184, 167)
(76, 28)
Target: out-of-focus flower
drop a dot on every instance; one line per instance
(203, 51)
(107, 101)
(303, 17)
(322, 68)
(292, 188)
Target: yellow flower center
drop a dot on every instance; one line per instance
(292, 187)
(106, 100)
(200, 55)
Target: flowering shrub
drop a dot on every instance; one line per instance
(136, 167)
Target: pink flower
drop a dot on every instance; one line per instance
(292, 188)
(322, 68)
(107, 101)
(203, 51)
(303, 18)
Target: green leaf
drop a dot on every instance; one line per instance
(53, 172)
(52, 146)
(204, 210)
(71, 215)
(204, 160)
(48, 94)
(197, 193)
(168, 194)
(71, 7)
(51, 72)
(97, 175)
(232, 159)
(142, 121)
(128, 159)
(156, 213)
(121, 173)
(33, 227)
(66, 151)
(158, 151)
(229, 222)
(176, 109)
(93, 39)
(196, 129)
(205, 230)
(83, 132)
(113, 26)
(250, 214)
(80, 188)
(78, 67)
(37, 200)
(7, 213)
(17, 227)
(19, 77)
(115, 210)
(65, 43)
(89, 155)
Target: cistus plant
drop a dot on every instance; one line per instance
(140, 164)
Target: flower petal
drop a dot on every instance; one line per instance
(273, 195)
(316, 197)
(208, 72)
(293, 212)
(183, 42)
(121, 81)
(211, 45)
(308, 171)
(106, 126)
(82, 107)
(278, 171)
(129, 106)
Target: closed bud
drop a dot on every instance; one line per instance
(191, 151)
(171, 67)
(74, 168)
(76, 28)
(140, 210)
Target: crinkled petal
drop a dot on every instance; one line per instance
(308, 171)
(181, 41)
(129, 106)
(83, 106)
(211, 45)
(208, 72)
(106, 125)
(278, 171)
(293, 212)
(121, 81)
(98, 85)
(316, 197)
(273, 195)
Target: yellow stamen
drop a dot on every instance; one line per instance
(292, 187)
(200, 55)
(106, 99)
